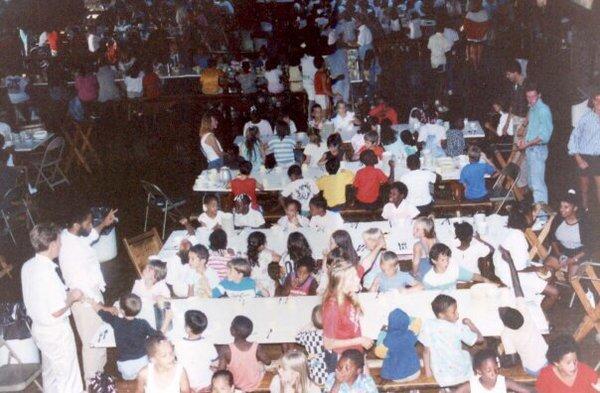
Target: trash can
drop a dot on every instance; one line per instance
(106, 245)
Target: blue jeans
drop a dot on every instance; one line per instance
(536, 172)
(129, 369)
(215, 164)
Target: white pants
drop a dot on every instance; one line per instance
(87, 323)
(60, 368)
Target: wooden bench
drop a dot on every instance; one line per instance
(515, 373)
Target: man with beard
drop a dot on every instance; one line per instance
(81, 269)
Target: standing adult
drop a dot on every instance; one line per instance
(81, 269)
(48, 303)
(584, 146)
(535, 143)
(209, 144)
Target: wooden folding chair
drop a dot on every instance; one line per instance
(5, 268)
(537, 241)
(140, 247)
(78, 136)
(591, 320)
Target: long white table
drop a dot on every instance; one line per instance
(278, 320)
(473, 130)
(276, 179)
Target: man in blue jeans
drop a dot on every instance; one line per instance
(535, 143)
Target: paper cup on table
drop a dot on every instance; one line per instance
(304, 168)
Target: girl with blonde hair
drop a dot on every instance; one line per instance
(424, 232)
(341, 310)
(374, 242)
(292, 375)
(209, 144)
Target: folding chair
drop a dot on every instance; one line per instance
(5, 268)
(15, 205)
(78, 136)
(509, 177)
(16, 377)
(48, 166)
(587, 272)
(141, 247)
(157, 198)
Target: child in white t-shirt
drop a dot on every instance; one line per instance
(292, 219)
(299, 189)
(196, 353)
(398, 211)
(260, 257)
(244, 216)
(152, 289)
(322, 219)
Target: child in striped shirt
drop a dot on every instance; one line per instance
(219, 255)
(283, 145)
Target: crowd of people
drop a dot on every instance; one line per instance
(337, 54)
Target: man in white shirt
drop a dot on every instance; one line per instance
(364, 39)
(81, 269)
(418, 182)
(48, 303)
(438, 44)
(322, 219)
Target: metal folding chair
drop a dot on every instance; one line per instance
(48, 166)
(14, 205)
(157, 198)
(511, 175)
(16, 377)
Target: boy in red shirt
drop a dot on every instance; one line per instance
(323, 91)
(244, 184)
(368, 180)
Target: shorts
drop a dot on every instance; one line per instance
(593, 168)
(129, 369)
(323, 101)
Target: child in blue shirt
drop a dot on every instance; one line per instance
(402, 362)
(349, 376)
(443, 357)
(473, 174)
(238, 282)
(391, 277)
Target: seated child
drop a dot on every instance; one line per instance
(315, 149)
(292, 219)
(301, 281)
(445, 272)
(472, 176)
(210, 218)
(443, 357)
(299, 189)
(238, 282)
(410, 144)
(178, 270)
(312, 341)
(322, 219)
(259, 257)
(222, 382)
(349, 375)
(219, 254)
(244, 184)
(130, 334)
(487, 378)
(369, 179)
(163, 374)
(292, 374)
(202, 278)
(334, 184)
(371, 143)
(392, 278)
(454, 145)
(244, 359)
(398, 211)
(283, 145)
(244, 216)
(402, 362)
(196, 353)
(152, 289)
(335, 149)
